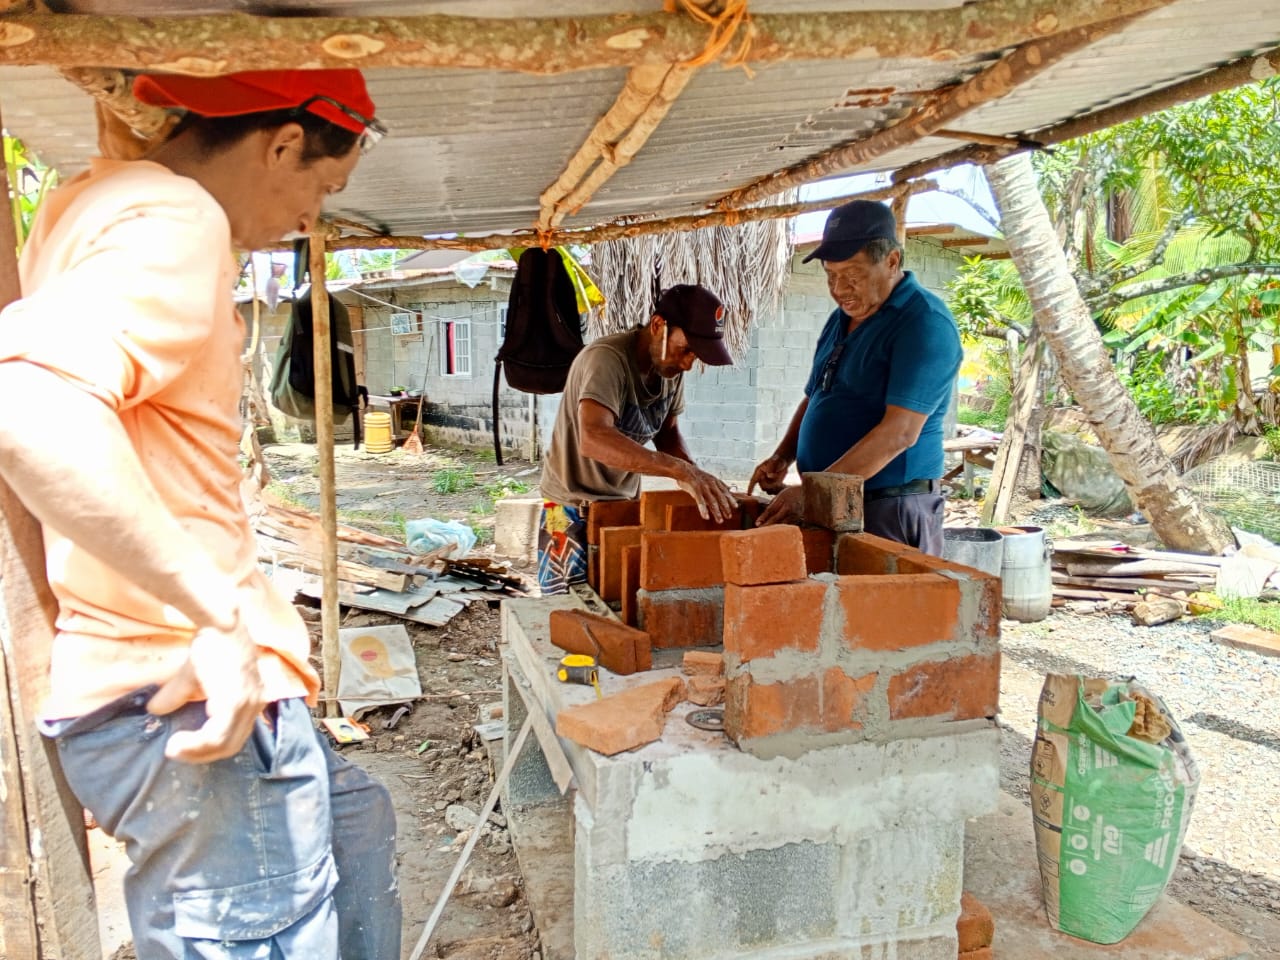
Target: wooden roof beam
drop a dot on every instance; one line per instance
(618, 231)
(1234, 74)
(224, 43)
(647, 96)
(996, 81)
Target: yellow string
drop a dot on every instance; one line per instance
(724, 25)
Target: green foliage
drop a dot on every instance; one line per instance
(1272, 435)
(450, 480)
(986, 294)
(506, 487)
(1260, 613)
(31, 180)
(1162, 399)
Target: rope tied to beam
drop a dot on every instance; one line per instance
(545, 239)
(732, 19)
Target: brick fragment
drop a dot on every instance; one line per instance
(753, 710)
(833, 501)
(982, 953)
(865, 553)
(898, 612)
(843, 697)
(612, 542)
(819, 549)
(630, 584)
(611, 513)
(760, 621)
(773, 554)
(962, 688)
(706, 691)
(624, 720)
(976, 928)
(654, 503)
(702, 663)
(680, 560)
(616, 647)
(676, 619)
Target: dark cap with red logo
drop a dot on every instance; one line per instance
(700, 314)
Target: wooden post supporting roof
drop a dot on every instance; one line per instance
(223, 43)
(323, 360)
(46, 886)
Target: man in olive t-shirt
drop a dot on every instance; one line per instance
(625, 391)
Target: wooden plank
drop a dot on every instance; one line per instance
(17, 909)
(1135, 568)
(1129, 583)
(57, 909)
(1246, 637)
(1004, 474)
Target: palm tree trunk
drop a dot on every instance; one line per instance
(1066, 324)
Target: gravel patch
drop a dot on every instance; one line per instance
(1228, 704)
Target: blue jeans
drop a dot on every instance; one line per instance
(283, 852)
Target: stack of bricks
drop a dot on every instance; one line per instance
(975, 930)
(676, 595)
(892, 644)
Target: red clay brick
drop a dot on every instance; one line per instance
(865, 553)
(819, 549)
(624, 720)
(680, 621)
(630, 584)
(754, 710)
(898, 612)
(654, 503)
(680, 560)
(706, 691)
(611, 513)
(685, 516)
(702, 663)
(616, 647)
(963, 688)
(750, 508)
(842, 698)
(772, 554)
(759, 621)
(982, 953)
(612, 541)
(975, 928)
(833, 501)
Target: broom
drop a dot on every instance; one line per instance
(413, 445)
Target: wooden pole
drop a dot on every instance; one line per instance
(1004, 473)
(619, 231)
(998, 80)
(329, 613)
(46, 885)
(224, 43)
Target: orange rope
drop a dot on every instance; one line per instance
(544, 239)
(724, 26)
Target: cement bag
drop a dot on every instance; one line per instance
(1112, 786)
(1083, 473)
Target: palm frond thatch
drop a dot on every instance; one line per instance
(746, 266)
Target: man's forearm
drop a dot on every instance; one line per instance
(613, 449)
(872, 453)
(92, 489)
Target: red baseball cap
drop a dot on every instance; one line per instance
(255, 91)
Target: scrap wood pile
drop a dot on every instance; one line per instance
(1160, 585)
(376, 572)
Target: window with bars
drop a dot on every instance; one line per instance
(455, 348)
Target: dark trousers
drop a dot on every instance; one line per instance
(915, 520)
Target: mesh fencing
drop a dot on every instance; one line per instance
(1246, 495)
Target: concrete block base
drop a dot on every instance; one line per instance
(515, 528)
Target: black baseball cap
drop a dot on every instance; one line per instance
(700, 314)
(851, 227)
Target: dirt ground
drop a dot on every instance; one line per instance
(434, 761)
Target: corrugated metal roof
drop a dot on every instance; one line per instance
(471, 151)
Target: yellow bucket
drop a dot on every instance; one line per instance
(377, 432)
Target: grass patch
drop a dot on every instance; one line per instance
(453, 480)
(484, 535)
(285, 493)
(1249, 610)
(483, 508)
(506, 487)
(993, 420)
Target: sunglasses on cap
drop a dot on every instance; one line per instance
(374, 130)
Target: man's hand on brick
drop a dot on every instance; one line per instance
(786, 507)
(770, 474)
(711, 494)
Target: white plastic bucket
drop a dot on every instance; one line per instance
(1026, 575)
(978, 547)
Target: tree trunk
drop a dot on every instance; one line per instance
(1066, 324)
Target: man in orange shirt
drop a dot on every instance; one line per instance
(179, 677)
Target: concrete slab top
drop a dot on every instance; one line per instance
(1001, 870)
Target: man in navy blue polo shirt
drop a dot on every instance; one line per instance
(879, 387)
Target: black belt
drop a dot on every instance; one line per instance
(908, 489)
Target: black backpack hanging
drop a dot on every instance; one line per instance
(293, 381)
(544, 330)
